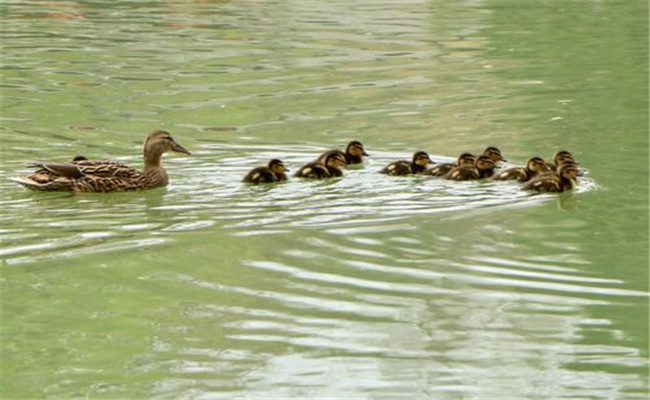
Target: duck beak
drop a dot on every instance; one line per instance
(580, 173)
(364, 153)
(180, 149)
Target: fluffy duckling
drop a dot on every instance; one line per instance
(534, 166)
(333, 160)
(418, 165)
(273, 172)
(354, 153)
(560, 158)
(494, 153)
(106, 176)
(442, 169)
(482, 168)
(554, 182)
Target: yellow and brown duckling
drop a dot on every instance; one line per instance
(560, 158)
(482, 168)
(418, 165)
(534, 166)
(354, 153)
(494, 153)
(329, 167)
(84, 175)
(565, 178)
(273, 172)
(442, 169)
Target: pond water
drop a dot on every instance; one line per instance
(366, 286)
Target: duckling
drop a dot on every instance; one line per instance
(106, 176)
(534, 166)
(273, 172)
(494, 153)
(560, 158)
(354, 153)
(333, 160)
(464, 160)
(554, 182)
(482, 168)
(417, 166)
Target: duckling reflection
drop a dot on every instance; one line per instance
(418, 165)
(333, 160)
(273, 172)
(442, 169)
(534, 166)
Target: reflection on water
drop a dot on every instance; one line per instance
(364, 286)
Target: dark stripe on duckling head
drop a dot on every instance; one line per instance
(537, 164)
(466, 160)
(494, 153)
(355, 148)
(420, 158)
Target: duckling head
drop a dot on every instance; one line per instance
(537, 165)
(466, 160)
(494, 153)
(421, 159)
(569, 171)
(485, 163)
(159, 142)
(335, 159)
(277, 166)
(563, 156)
(356, 149)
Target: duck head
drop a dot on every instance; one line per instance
(485, 164)
(334, 159)
(537, 165)
(562, 157)
(466, 160)
(356, 149)
(159, 142)
(569, 171)
(421, 159)
(277, 166)
(494, 153)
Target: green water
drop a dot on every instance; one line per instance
(366, 286)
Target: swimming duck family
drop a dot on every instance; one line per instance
(84, 175)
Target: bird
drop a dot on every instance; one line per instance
(442, 169)
(494, 153)
(418, 165)
(565, 178)
(560, 158)
(482, 168)
(85, 175)
(534, 166)
(353, 154)
(273, 172)
(329, 167)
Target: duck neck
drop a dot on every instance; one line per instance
(152, 160)
(417, 168)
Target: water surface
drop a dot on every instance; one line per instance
(366, 286)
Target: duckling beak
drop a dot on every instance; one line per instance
(365, 154)
(580, 173)
(180, 149)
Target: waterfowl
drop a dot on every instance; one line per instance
(418, 165)
(273, 172)
(330, 166)
(442, 169)
(354, 153)
(85, 175)
(494, 153)
(534, 166)
(560, 158)
(565, 178)
(482, 168)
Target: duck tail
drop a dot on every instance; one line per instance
(30, 184)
